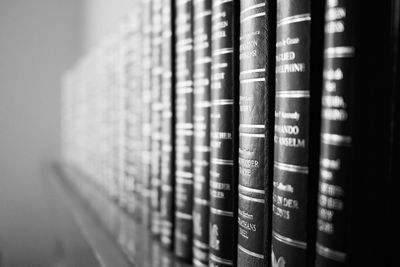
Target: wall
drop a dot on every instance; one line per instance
(39, 40)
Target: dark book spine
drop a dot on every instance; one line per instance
(336, 136)
(392, 231)
(371, 120)
(252, 132)
(168, 144)
(146, 111)
(223, 175)
(156, 112)
(184, 130)
(201, 118)
(291, 182)
(270, 25)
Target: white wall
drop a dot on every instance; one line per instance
(100, 17)
(39, 40)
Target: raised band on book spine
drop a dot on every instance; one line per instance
(201, 118)
(184, 129)
(336, 135)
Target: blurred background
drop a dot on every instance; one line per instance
(39, 40)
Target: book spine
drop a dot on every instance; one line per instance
(168, 144)
(183, 130)
(392, 231)
(117, 103)
(371, 120)
(270, 25)
(395, 154)
(121, 91)
(115, 122)
(336, 137)
(223, 180)
(201, 118)
(156, 111)
(133, 118)
(130, 117)
(252, 132)
(146, 112)
(136, 148)
(291, 138)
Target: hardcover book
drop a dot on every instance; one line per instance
(336, 136)
(223, 157)
(252, 132)
(201, 119)
(168, 129)
(184, 129)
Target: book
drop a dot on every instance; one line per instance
(201, 119)
(392, 230)
(134, 109)
(156, 114)
(320, 191)
(121, 112)
(367, 241)
(183, 129)
(270, 26)
(146, 110)
(296, 138)
(336, 136)
(253, 132)
(224, 131)
(395, 154)
(168, 133)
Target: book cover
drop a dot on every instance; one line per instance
(168, 133)
(146, 110)
(224, 130)
(183, 129)
(201, 119)
(156, 114)
(297, 108)
(336, 136)
(255, 110)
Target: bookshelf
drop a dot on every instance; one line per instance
(116, 237)
(262, 150)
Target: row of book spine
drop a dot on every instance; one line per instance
(228, 126)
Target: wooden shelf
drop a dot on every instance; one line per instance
(117, 239)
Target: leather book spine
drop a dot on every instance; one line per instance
(201, 119)
(336, 133)
(146, 111)
(252, 132)
(156, 112)
(291, 138)
(223, 161)
(168, 137)
(184, 130)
